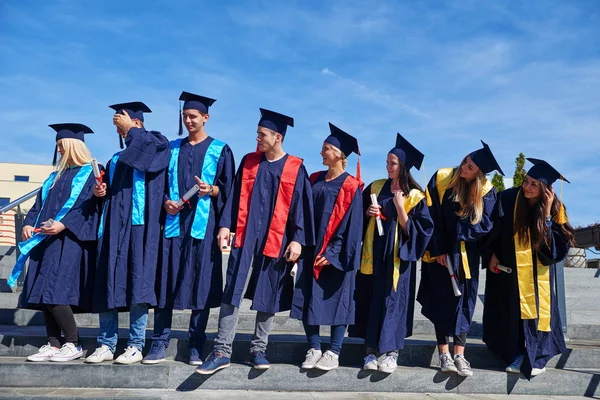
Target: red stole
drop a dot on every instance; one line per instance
(285, 193)
(341, 207)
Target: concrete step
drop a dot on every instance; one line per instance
(291, 348)
(206, 394)
(284, 377)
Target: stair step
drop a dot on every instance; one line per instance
(285, 377)
(420, 350)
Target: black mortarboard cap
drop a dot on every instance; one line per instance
(134, 109)
(544, 172)
(342, 140)
(69, 131)
(193, 101)
(407, 153)
(485, 160)
(275, 121)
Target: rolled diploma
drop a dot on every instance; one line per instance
(294, 270)
(96, 170)
(188, 194)
(502, 268)
(379, 223)
(452, 277)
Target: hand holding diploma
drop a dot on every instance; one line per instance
(97, 173)
(455, 288)
(187, 196)
(376, 214)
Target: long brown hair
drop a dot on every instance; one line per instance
(532, 219)
(406, 180)
(461, 193)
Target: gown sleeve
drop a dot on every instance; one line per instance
(437, 244)
(468, 232)
(229, 213)
(344, 248)
(419, 233)
(224, 179)
(146, 151)
(34, 211)
(558, 248)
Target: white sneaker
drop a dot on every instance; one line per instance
(131, 356)
(462, 365)
(329, 361)
(68, 352)
(312, 356)
(515, 367)
(45, 353)
(101, 353)
(371, 363)
(446, 363)
(537, 371)
(389, 364)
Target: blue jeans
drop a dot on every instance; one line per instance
(314, 339)
(109, 327)
(163, 319)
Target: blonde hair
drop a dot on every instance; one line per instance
(461, 193)
(75, 153)
(339, 153)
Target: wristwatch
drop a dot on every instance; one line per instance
(212, 189)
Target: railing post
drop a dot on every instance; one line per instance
(561, 297)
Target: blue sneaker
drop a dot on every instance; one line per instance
(214, 362)
(194, 358)
(259, 360)
(157, 353)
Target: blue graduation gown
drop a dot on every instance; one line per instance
(384, 317)
(270, 285)
(190, 271)
(128, 254)
(504, 332)
(61, 268)
(449, 313)
(330, 299)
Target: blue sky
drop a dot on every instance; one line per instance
(522, 76)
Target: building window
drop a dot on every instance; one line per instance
(4, 201)
(21, 178)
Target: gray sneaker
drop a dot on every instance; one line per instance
(388, 364)
(312, 356)
(463, 366)
(328, 361)
(446, 363)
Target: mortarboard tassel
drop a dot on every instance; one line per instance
(361, 183)
(180, 121)
(55, 155)
(121, 142)
(561, 218)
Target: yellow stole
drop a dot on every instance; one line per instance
(366, 262)
(526, 281)
(442, 181)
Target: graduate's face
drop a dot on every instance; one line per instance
(267, 139)
(532, 188)
(331, 154)
(136, 122)
(392, 164)
(60, 148)
(194, 120)
(468, 169)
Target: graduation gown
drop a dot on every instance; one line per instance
(384, 316)
(190, 270)
(452, 314)
(127, 253)
(329, 300)
(61, 268)
(504, 332)
(270, 285)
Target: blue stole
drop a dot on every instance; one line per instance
(138, 198)
(209, 172)
(25, 247)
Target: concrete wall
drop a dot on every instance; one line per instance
(37, 173)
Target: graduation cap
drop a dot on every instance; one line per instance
(275, 121)
(544, 172)
(135, 110)
(68, 131)
(193, 101)
(485, 160)
(342, 140)
(407, 153)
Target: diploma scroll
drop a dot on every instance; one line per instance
(294, 270)
(379, 223)
(46, 224)
(452, 276)
(97, 173)
(188, 195)
(502, 268)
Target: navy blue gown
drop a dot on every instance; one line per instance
(330, 299)
(62, 267)
(190, 271)
(384, 316)
(449, 313)
(128, 254)
(270, 285)
(504, 332)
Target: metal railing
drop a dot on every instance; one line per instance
(19, 201)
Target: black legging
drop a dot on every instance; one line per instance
(60, 319)
(443, 338)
